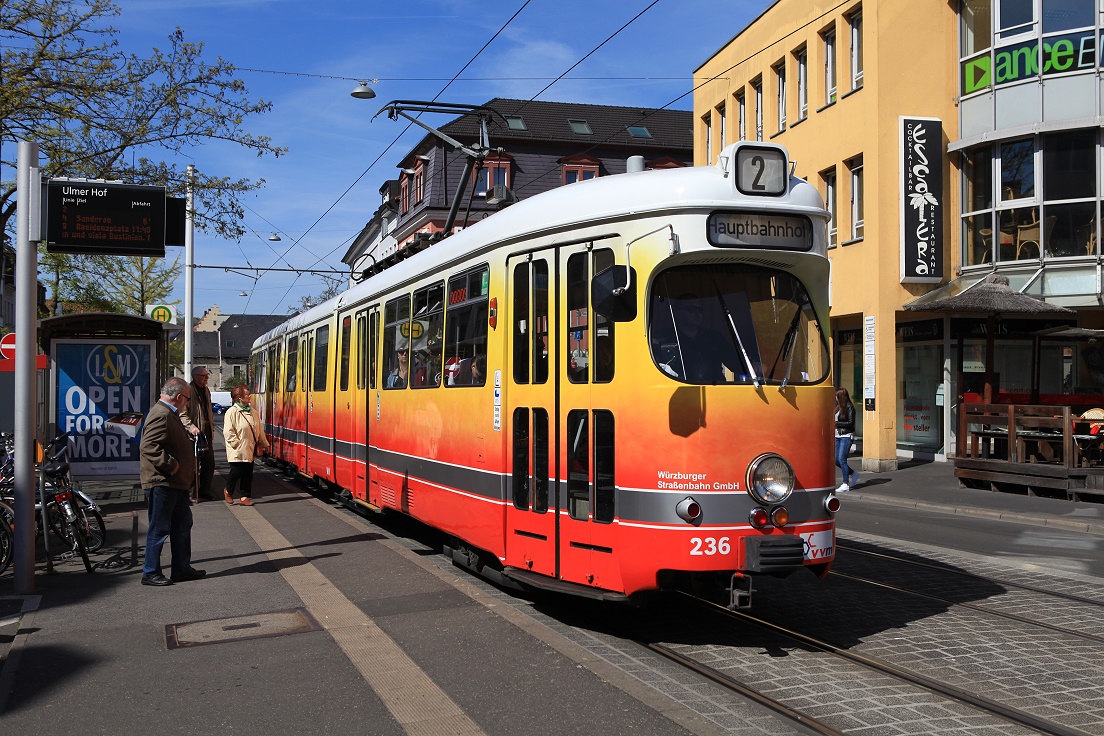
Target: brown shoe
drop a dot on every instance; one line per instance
(245, 501)
(229, 499)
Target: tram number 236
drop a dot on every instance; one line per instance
(709, 546)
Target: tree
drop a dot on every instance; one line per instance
(98, 113)
(333, 288)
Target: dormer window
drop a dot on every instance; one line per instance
(579, 167)
(639, 131)
(495, 172)
(580, 127)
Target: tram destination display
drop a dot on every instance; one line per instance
(105, 218)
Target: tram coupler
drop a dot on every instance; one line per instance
(739, 592)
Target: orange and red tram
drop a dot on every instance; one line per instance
(611, 388)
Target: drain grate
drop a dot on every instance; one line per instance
(239, 628)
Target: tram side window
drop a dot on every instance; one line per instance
(277, 353)
(308, 356)
(578, 331)
(578, 464)
(362, 351)
(603, 466)
(321, 357)
(540, 460)
(346, 335)
(521, 458)
(292, 363)
(396, 342)
(426, 333)
(466, 328)
(373, 349)
(602, 353)
(540, 322)
(520, 309)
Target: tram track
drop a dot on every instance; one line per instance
(955, 694)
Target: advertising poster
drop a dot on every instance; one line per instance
(102, 393)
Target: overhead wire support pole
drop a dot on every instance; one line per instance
(189, 272)
(28, 226)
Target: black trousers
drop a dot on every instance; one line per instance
(240, 472)
(206, 473)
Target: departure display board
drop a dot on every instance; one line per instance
(105, 218)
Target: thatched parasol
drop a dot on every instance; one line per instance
(991, 297)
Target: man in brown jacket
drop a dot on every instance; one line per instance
(167, 469)
(199, 418)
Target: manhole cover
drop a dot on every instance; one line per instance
(238, 628)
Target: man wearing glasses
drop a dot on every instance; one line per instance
(199, 419)
(167, 467)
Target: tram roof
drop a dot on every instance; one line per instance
(573, 206)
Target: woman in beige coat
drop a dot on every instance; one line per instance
(245, 440)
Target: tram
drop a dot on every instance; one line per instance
(614, 387)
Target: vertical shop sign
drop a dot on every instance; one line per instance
(868, 362)
(101, 395)
(921, 198)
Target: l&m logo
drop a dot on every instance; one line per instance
(113, 365)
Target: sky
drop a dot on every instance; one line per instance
(305, 58)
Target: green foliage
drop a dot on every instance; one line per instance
(98, 113)
(232, 381)
(123, 284)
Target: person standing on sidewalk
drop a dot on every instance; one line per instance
(845, 436)
(245, 441)
(199, 419)
(167, 469)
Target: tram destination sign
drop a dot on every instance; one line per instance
(105, 218)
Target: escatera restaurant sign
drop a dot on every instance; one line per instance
(921, 194)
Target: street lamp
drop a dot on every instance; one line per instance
(363, 92)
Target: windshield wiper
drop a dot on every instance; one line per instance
(787, 350)
(735, 334)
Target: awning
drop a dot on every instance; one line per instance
(1066, 285)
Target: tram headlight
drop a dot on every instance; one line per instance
(770, 479)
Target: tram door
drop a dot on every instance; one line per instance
(320, 408)
(530, 415)
(561, 510)
(344, 410)
(302, 413)
(367, 330)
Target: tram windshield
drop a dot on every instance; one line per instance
(739, 324)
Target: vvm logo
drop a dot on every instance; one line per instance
(113, 365)
(1076, 52)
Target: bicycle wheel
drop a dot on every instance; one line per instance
(7, 546)
(77, 534)
(95, 532)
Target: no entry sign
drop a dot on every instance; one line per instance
(7, 346)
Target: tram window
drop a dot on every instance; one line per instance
(578, 332)
(521, 323)
(373, 349)
(396, 342)
(521, 458)
(602, 351)
(362, 350)
(321, 357)
(540, 322)
(540, 460)
(578, 465)
(426, 334)
(603, 466)
(292, 362)
(466, 329)
(346, 334)
(277, 354)
(308, 360)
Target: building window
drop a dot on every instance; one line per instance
(723, 125)
(404, 194)
(495, 173)
(707, 126)
(1015, 17)
(801, 57)
(829, 179)
(741, 116)
(780, 82)
(419, 182)
(855, 168)
(515, 122)
(579, 167)
(854, 21)
(757, 85)
(638, 131)
(580, 127)
(829, 36)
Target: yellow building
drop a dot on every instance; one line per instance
(929, 126)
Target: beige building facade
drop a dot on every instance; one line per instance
(949, 139)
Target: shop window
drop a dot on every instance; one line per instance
(1015, 17)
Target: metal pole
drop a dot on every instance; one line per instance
(189, 273)
(26, 350)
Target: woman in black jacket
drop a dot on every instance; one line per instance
(845, 435)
